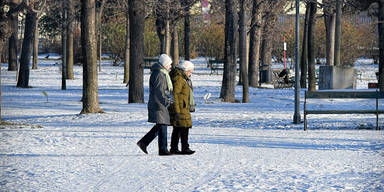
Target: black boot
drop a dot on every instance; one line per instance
(164, 153)
(184, 142)
(142, 147)
(187, 152)
(175, 151)
(175, 140)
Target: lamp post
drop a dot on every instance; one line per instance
(296, 116)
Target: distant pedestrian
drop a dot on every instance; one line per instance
(160, 98)
(180, 111)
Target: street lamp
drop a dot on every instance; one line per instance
(296, 116)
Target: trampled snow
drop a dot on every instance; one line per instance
(239, 146)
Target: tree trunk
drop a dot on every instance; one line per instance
(89, 48)
(266, 49)
(338, 32)
(187, 34)
(1, 50)
(26, 51)
(99, 13)
(175, 46)
(381, 44)
(330, 21)
(12, 45)
(160, 29)
(268, 35)
(168, 38)
(255, 42)
(70, 19)
(126, 50)
(311, 47)
(229, 76)
(64, 35)
(243, 52)
(35, 45)
(12, 53)
(266, 58)
(136, 60)
(100, 47)
(304, 49)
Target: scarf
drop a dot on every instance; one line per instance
(191, 98)
(169, 82)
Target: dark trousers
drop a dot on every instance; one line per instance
(157, 130)
(182, 133)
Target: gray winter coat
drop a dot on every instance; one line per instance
(159, 97)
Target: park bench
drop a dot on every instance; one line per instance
(218, 64)
(343, 95)
(149, 61)
(215, 65)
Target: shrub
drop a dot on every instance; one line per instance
(114, 40)
(210, 40)
(151, 40)
(355, 39)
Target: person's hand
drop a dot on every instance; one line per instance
(177, 116)
(171, 99)
(192, 108)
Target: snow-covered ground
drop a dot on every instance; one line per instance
(239, 147)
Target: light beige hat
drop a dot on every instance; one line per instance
(165, 60)
(187, 66)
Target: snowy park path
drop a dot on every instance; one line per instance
(239, 147)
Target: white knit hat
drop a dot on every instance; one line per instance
(165, 60)
(187, 66)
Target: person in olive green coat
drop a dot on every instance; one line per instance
(180, 111)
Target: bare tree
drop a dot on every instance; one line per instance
(136, 60)
(364, 5)
(127, 46)
(39, 5)
(69, 44)
(168, 13)
(230, 54)
(174, 44)
(5, 24)
(33, 9)
(100, 4)
(272, 11)
(187, 30)
(255, 42)
(330, 23)
(89, 49)
(26, 52)
(311, 46)
(338, 32)
(12, 43)
(64, 36)
(162, 25)
(304, 49)
(35, 44)
(243, 50)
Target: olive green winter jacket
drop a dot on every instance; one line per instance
(181, 92)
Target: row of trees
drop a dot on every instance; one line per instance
(63, 13)
(264, 16)
(167, 14)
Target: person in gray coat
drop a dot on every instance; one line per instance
(160, 97)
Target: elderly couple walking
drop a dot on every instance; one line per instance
(170, 103)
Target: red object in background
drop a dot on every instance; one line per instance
(285, 49)
(373, 85)
(204, 3)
